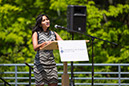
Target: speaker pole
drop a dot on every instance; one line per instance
(72, 67)
(92, 63)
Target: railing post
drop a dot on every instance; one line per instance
(4, 84)
(15, 75)
(119, 70)
(29, 76)
(30, 68)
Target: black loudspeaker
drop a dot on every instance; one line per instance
(76, 18)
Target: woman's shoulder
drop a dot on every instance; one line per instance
(35, 33)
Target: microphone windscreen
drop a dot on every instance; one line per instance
(56, 26)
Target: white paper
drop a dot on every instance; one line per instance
(73, 50)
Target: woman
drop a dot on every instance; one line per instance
(45, 70)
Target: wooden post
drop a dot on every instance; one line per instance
(65, 76)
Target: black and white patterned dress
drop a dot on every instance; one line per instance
(45, 70)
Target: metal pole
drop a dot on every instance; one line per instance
(92, 63)
(4, 84)
(29, 76)
(119, 69)
(15, 75)
(72, 75)
(30, 68)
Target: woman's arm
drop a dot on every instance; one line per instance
(35, 41)
(58, 37)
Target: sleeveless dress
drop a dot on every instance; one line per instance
(45, 70)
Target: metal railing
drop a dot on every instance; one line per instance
(114, 75)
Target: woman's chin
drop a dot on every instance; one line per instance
(48, 26)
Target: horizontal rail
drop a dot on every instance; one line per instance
(70, 72)
(76, 78)
(75, 64)
(112, 84)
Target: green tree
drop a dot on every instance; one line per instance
(106, 19)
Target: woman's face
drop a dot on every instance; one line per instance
(45, 23)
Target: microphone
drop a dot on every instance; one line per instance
(61, 27)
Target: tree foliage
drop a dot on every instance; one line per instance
(106, 19)
(109, 22)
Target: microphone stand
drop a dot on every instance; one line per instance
(92, 38)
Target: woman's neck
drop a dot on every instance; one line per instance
(45, 29)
